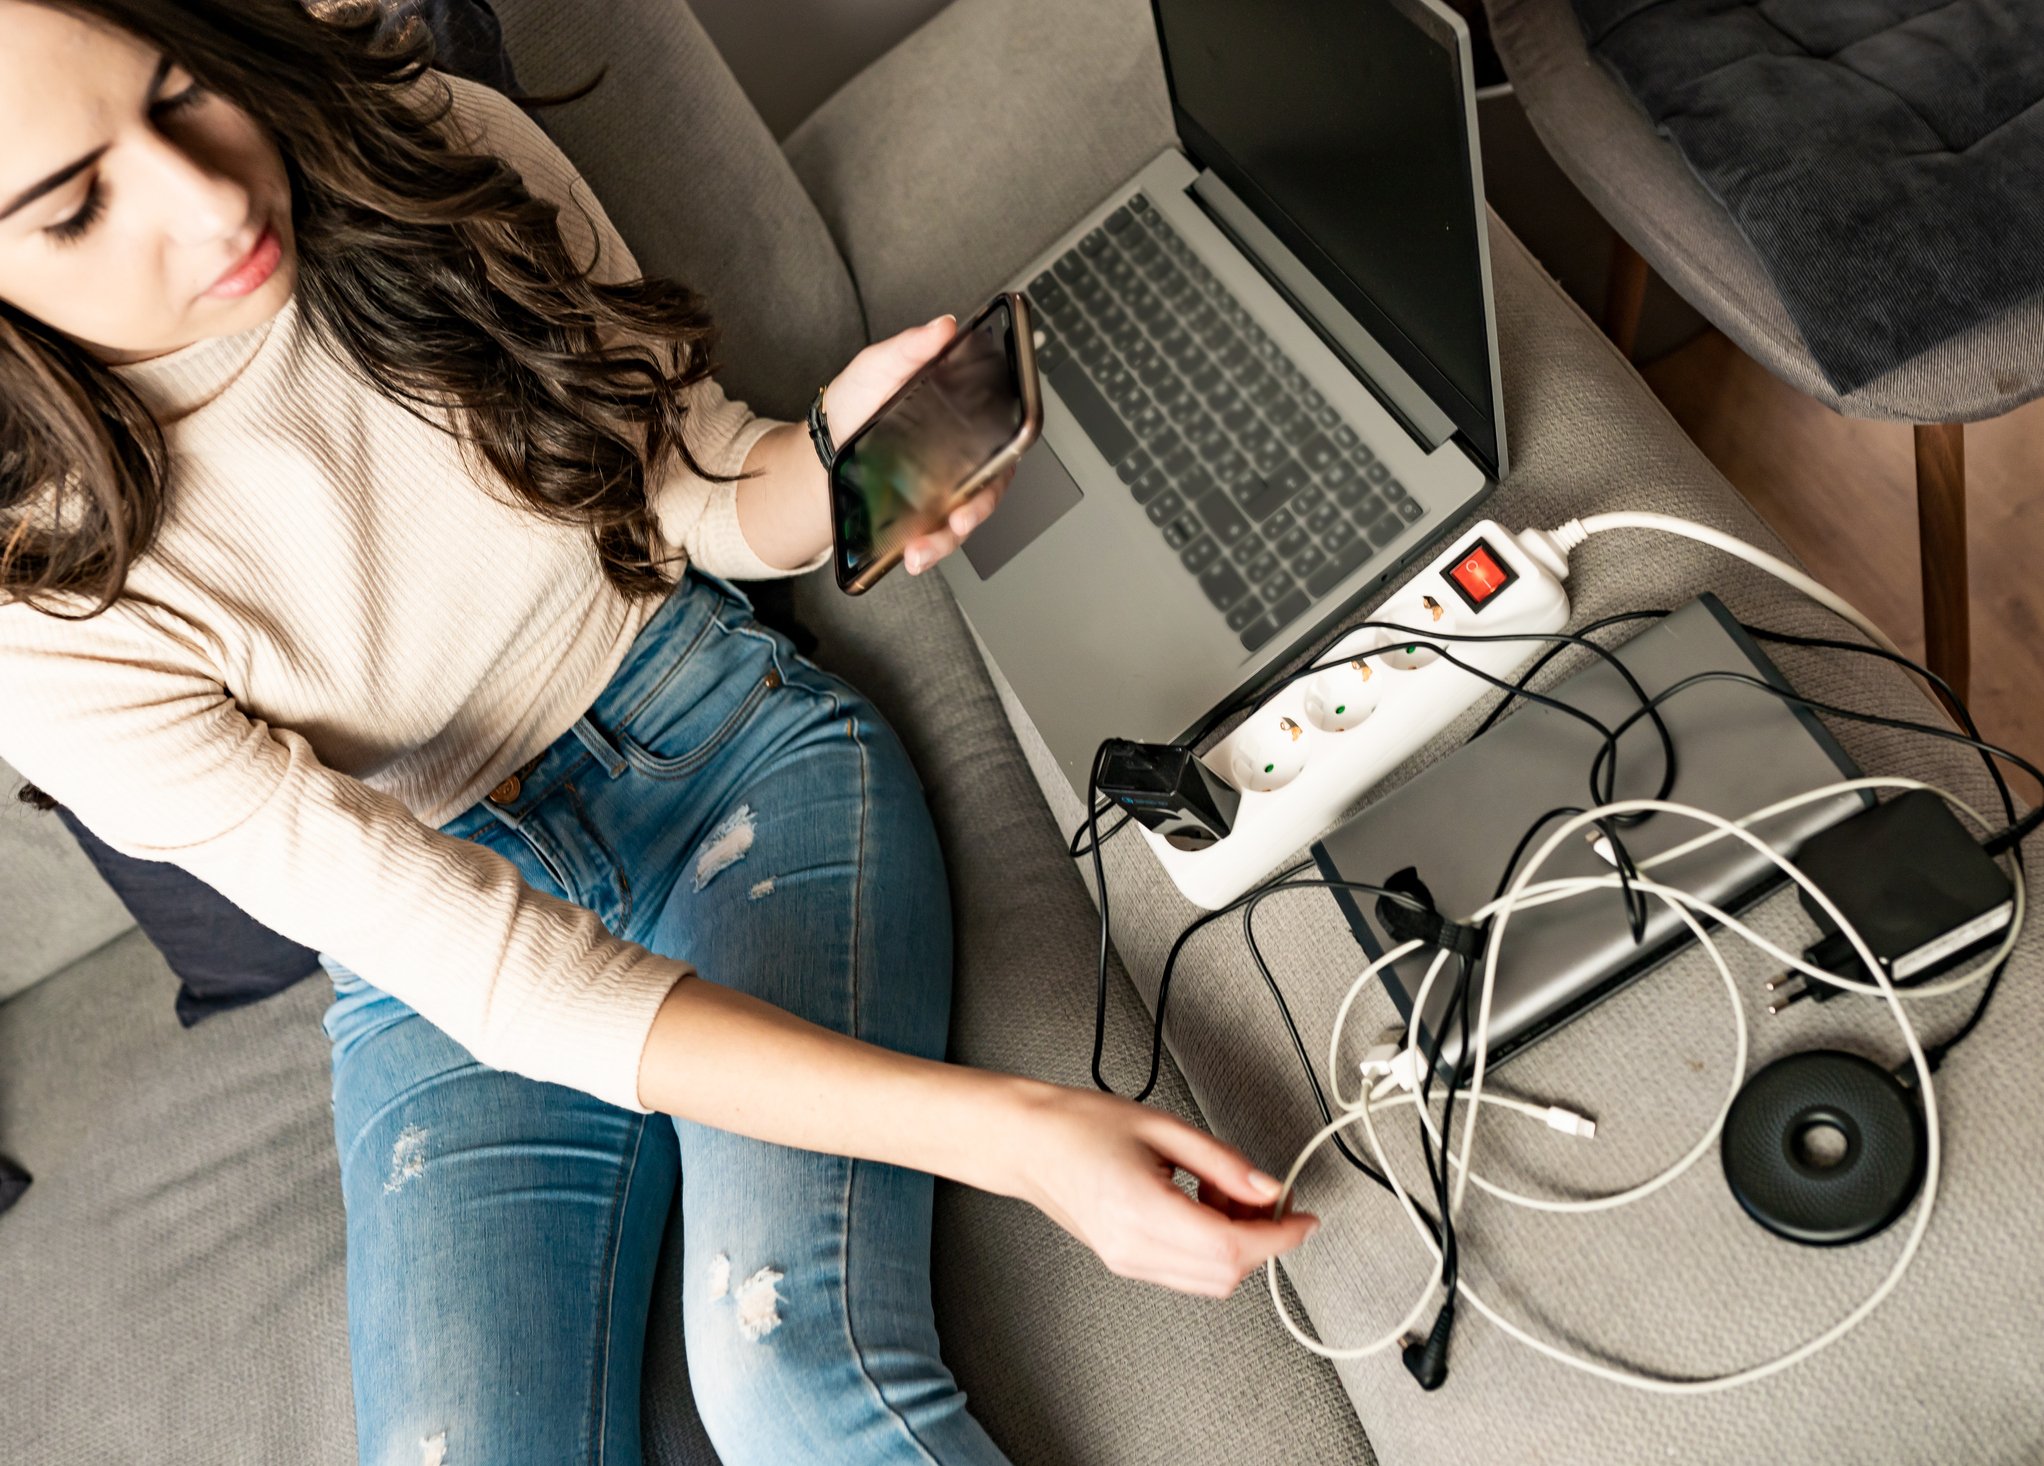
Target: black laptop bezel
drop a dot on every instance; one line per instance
(1479, 427)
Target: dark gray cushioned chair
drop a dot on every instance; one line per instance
(1665, 218)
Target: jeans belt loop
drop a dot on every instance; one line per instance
(600, 747)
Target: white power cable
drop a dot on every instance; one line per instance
(1551, 544)
(1524, 892)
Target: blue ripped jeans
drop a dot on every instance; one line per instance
(727, 803)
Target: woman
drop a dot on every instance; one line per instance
(360, 517)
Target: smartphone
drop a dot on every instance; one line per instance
(953, 428)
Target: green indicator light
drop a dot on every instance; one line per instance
(1270, 768)
(1340, 708)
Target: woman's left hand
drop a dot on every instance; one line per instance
(868, 380)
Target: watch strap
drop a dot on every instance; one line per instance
(819, 433)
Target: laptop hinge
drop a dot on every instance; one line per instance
(1343, 333)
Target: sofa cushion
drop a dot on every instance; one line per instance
(53, 905)
(696, 185)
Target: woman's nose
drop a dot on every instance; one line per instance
(200, 204)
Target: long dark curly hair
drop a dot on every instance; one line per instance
(428, 267)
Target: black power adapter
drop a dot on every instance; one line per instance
(1921, 891)
(1163, 786)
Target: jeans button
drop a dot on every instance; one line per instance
(507, 791)
(773, 677)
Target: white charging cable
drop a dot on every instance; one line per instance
(1552, 546)
(1525, 892)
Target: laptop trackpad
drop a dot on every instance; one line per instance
(1040, 495)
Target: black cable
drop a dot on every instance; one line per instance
(1540, 662)
(1937, 1053)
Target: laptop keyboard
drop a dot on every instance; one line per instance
(1269, 497)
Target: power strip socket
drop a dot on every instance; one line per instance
(1304, 757)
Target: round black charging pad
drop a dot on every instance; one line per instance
(1824, 1148)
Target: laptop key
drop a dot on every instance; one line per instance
(1051, 357)
(1118, 221)
(1318, 451)
(1337, 568)
(1166, 507)
(1224, 588)
(1093, 243)
(1280, 524)
(1307, 561)
(1181, 531)
(1149, 486)
(1262, 568)
(1135, 466)
(1092, 412)
(1385, 530)
(1377, 473)
(1277, 587)
(1262, 500)
(1321, 517)
(1226, 521)
(1244, 614)
(1410, 511)
(1293, 544)
(1069, 266)
(1289, 476)
(1257, 632)
(1393, 490)
(1201, 553)
(1291, 608)
(1340, 535)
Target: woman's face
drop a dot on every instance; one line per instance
(139, 213)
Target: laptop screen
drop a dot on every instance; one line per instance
(1344, 125)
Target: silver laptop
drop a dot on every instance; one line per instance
(1737, 750)
(1270, 372)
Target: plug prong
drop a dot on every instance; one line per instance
(1795, 997)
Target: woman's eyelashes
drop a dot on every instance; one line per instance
(73, 229)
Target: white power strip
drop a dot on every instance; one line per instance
(1301, 759)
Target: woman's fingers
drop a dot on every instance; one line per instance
(1217, 1165)
(926, 550)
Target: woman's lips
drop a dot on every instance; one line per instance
(248, 276)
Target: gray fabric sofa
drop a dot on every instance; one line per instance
(171, 1286)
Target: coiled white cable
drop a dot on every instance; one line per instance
(1525, 892)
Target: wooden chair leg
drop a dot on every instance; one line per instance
(1625, 292)
(1941, 539)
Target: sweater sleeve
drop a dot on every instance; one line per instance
(697, 516)
(121, 718)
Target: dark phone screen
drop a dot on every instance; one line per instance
(894, 477)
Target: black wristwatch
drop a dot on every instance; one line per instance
(819, 433)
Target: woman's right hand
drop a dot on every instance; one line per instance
(1102, 1168)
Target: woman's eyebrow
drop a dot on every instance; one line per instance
(71, 170)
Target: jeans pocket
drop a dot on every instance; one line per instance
(702, 705)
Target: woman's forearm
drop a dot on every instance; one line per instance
(727, 1060)
(784, 507)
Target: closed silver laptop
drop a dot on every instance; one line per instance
(1270, 372)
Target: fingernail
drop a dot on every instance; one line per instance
(914, 560)
(1312, 1227)
(1266, 1184)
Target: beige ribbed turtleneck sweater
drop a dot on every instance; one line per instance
(340, 639)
